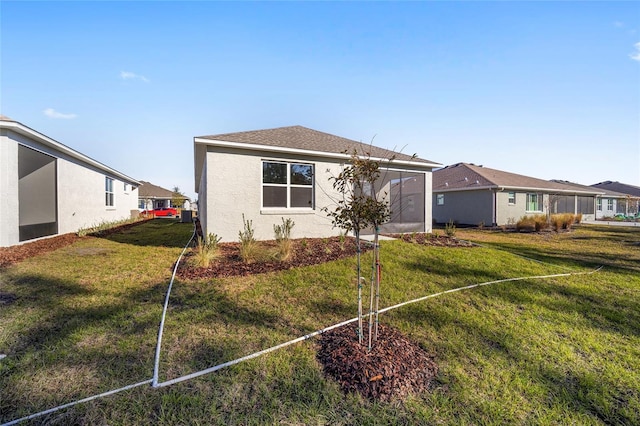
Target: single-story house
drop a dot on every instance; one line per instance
(151, 197)
(286, 172)
(472, 195)
(47, 188)
(619, 198)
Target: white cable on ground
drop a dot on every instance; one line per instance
(315, 333)
(80, 401)
(157, 359)
(155, 384)
(156, 364)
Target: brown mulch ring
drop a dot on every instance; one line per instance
(394, 369)
(431, 240)
(304, 252)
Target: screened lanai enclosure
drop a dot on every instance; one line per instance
(37, 194)
(405, 193)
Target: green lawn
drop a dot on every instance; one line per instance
(84, 319)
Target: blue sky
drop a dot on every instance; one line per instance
(546, 89)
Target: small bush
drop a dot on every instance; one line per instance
(541, 222)
(206, 250)
(450, 228)
(283, 238)
(249, 247)
(526, 223)
(563, 221)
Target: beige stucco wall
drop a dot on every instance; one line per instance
(81, 198)
(80, 191)
(9, 219)
(231, 186)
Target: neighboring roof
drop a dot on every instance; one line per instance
(465, 176)
(15, 126)
(149, 190)
(299, 139)
(618, 187)
(602, 190)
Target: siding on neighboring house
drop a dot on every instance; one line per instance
(476, 194)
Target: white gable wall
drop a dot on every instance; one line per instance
(231, 185)
(9, 219)
(80, 190)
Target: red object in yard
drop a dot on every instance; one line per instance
(164, 211)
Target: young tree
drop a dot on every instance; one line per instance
(177, 198)
(361, 207)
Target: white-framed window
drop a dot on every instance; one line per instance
(599, 204)
(108, 189)
(439, 199)
(287, 185)
(610, 204)
(512, 197)
(126, 188)
(534, 202)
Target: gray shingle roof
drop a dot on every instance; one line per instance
(619, 187)
(465, 176)
(149, 190)
(302, 138)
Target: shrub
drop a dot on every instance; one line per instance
(283, 238)
(450, 228)
(562, 221)
(526, 223)
(206, 250)
(541, 222)
(249, 247)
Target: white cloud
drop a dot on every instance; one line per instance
(636, 55)
(127, 75)
(52, 113)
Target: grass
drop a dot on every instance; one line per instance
(558, 351)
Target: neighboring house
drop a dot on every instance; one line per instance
(473, 195)
(619, 198)
(47, 188)
(286, 172)
(151, 197)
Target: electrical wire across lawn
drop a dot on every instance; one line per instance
(318, 332)
(154, 381)
(111, 392)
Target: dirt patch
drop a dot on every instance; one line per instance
(394, 368)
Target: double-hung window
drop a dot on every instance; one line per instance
(512, 198)
(287, 185)
(599, 204)
(108, 189)
(439, 199)
(534, 202)
(609, 203)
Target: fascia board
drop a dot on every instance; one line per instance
(519, 188)
(284, 150)
(51, 143)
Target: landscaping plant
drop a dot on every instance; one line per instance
(249, 247)
(283, 238)
(360, 208)
(206, 250)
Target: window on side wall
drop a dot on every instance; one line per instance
(287, 185)
(439, 199)
(534, 202)
(610, 204)
(108, 189)
(512, 197)
(599, 204)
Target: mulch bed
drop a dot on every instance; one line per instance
(13, 254)
(394, 369)
(304, 252)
